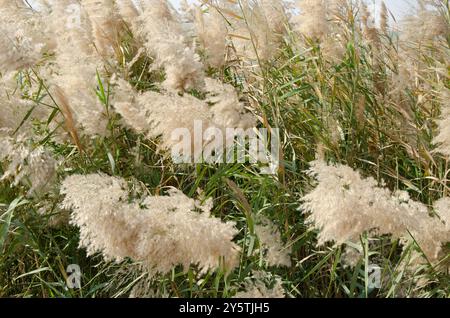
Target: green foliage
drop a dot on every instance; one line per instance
(302, 94)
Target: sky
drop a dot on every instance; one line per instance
(397, 7)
